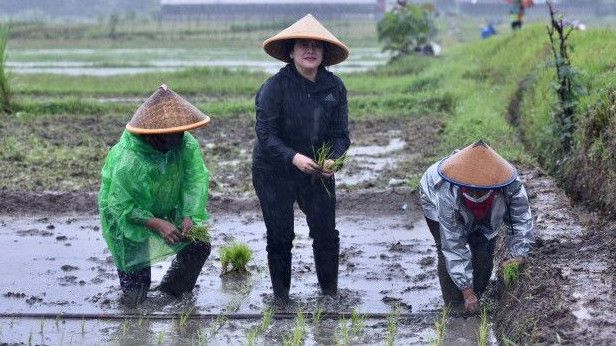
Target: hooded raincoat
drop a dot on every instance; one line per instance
(138, 183)
(442, 202)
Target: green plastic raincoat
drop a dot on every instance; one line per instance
(138, 183)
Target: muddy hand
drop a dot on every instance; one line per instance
(187, 224)
(166, 229)
(305, 164)
(471, 303)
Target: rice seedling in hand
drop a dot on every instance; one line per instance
(199, 233)
(321, 157)
(511, 274)
(235, 255)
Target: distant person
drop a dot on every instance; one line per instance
(488, 31)
(154, 188)
(298, 110)
(465, 198)
(518, 9)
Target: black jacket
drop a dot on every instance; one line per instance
(295, 115)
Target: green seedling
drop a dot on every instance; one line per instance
(83, 327)
(357, 322)
(201, 337)
(235, 255)
(439, 326)
(251, 335)
(184, 318)
(392, 325)
(268, 315)
(297, 335)
(199, 233)
(161, 338)
(483, 334)
(317, 315)
(343, 333)
(511, 274)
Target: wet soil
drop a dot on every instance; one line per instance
(566, 293)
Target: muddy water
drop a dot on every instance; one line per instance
(107, 62)
(61, 266)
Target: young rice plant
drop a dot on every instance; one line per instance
(235, 255)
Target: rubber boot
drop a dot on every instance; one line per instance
(280, 274)
(185, 269)
(326, 264)
(134, 286)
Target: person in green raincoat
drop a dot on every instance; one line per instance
(154, 188)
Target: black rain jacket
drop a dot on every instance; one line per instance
(296, 115)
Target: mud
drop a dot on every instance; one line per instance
(566, 294)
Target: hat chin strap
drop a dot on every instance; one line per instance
(477, 199)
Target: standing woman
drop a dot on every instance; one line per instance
(299, 109)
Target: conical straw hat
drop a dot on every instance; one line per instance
(166, 112)
(477, 166)
(307, 28)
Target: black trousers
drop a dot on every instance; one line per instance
(482, 254)
(277, 193)
(181, 276)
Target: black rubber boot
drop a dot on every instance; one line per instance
(280, 274)
(326, 260)
(185, 268)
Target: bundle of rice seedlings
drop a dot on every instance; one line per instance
(323, 154)
(237, 255)
(200, 233)
(511, 274)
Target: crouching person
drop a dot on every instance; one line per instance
(154, 188)
(465, 198)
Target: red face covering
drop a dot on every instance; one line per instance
(479, 209)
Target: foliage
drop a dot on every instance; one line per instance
(567, 83)
(235, 255)
(405, 28)
(511, 274)
(5, 90)
(298, 334)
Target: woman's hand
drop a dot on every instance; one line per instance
(305, 164)
(166, 229)
(187, 224)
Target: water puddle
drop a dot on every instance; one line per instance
(366, 163)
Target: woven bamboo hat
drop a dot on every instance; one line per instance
(477, 166)
(307, 28)
(166, 112)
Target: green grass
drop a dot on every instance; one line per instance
(5, 83)
(440, 327)
(511, 274)
(392, 325)
(298, 334)
(483, 333)
(235, 255)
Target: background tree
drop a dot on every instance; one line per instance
(405, 28)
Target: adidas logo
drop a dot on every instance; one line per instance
(329, 98)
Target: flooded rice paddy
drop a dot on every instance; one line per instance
(120, 61)
(61, 286)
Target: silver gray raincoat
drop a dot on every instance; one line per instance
(441, 202)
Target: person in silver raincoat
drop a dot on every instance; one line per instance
(466, 197)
